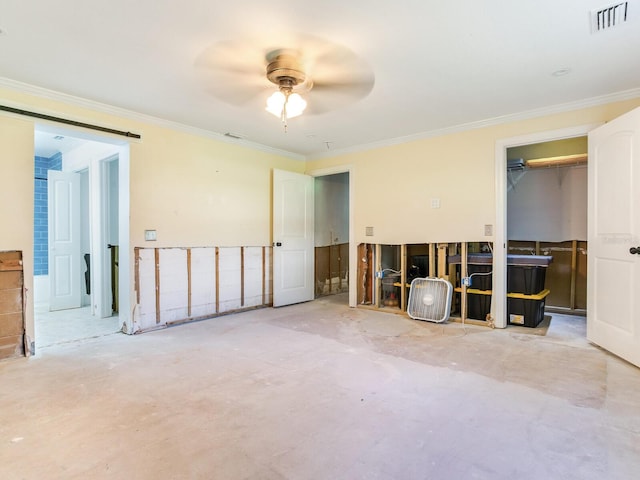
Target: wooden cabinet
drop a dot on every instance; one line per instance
(11, 305)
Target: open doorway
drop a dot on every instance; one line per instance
(331, 234)
(546, 233)
(78, 203)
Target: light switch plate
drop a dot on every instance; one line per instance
(488, 230)
(150, 235)
(435, 203)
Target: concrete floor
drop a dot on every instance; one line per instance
(322, 391)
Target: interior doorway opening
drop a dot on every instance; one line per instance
(98, 204)
(547, 217)
(542, 196)
(331, 252)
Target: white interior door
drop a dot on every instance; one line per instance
(293, 246)
(65, 287)
(613, 320)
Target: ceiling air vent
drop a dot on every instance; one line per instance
(608, 17)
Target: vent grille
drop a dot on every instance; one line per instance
(608, 17)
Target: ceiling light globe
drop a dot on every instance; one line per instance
(275, 103)
(295, 105)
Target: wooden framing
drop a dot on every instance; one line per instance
(217, 268)
(242, 276)
(157, 270)
(13, 340)
(378, 268)
(136, 273)
(565, 277)
(177, 285)
(264, 276)
(574, 270)
(403, 277)
(189, 282)
(463, 273)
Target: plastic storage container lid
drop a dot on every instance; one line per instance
(529, 260)
(520, 260)
(473, 259)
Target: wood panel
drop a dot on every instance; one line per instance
(12, 328)
(331, 269)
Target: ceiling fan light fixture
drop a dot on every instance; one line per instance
(285, 105)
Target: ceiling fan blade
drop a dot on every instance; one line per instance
(236, 71)
(233, 72)
(329, 96)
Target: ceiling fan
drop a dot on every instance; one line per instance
(302, 73)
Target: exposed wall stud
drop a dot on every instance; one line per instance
(264, 273)
(463, 273)
(378, 288)
(574, 271)
(432, 260)
(188, 282)
(157, 261)
(136, 273)
(403, 277)
(242, 276)
(217, 280)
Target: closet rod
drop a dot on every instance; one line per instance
(51, 118)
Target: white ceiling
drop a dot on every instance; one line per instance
(437, 64)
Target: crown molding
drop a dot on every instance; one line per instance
(139, 117)
(514, 117)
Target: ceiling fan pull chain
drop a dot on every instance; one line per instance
(284, 111)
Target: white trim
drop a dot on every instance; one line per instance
(126, 267)
(514, 117)
(131, 115)
(499, 297)
(353, 248)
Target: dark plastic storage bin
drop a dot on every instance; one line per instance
(418, 267)
(526, 273)
(481, 282)
(477, 263)
(528, 312)
(478, 305)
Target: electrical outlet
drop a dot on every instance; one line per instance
(380, 274)
(435, 203)
(466, 281)
(368, 231)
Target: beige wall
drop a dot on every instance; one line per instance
(393, 186)
(16, 198)
(195, 191)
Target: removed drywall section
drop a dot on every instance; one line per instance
(176, 285)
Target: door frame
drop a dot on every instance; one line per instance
(499, 296)
(115, 148)
(353, 248)
(99, 227)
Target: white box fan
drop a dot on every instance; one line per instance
(430, 299)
